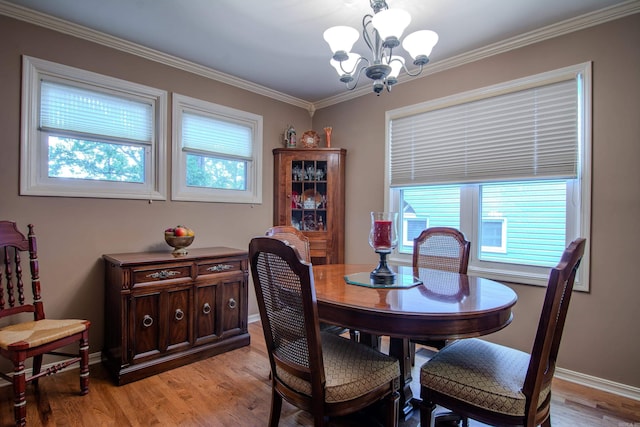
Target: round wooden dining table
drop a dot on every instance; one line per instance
(424, 304)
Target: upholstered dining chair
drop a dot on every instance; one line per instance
(498, 385)
(439, 248)
(22, 339)
(319, 372)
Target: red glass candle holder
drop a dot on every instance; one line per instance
(383, 238)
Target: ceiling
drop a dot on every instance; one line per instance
(278, 44)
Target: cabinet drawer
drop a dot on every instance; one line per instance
(318, 248)
(158, 273)
(219, 267)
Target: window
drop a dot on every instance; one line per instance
(508, 165)
(217, 152)
(89, 135)
(494, 235)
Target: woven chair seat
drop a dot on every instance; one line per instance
(481, 373)
(35, 333)
(351, 370)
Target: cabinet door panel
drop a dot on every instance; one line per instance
(177, 318)
(205, 312)
(144, 325)
(231, 307)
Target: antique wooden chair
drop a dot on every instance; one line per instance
(294, 237)
(439, 248)
(300, 242)
(498, 385)
(33, 335)
(319, 372)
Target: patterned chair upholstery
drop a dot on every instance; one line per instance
(319, 372)
(498, 385)
(22, 339)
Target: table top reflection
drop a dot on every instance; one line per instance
(445, 306)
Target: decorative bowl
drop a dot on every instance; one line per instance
(179, 243)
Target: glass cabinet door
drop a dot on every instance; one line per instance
(309, 195)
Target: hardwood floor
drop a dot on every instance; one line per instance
(233, 389)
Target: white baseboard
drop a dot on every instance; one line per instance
(598, 383)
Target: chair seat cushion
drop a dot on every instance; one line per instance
(351, 370)
(481, 373)
(39, 332)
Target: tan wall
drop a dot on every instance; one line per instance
(74, 233)
(601, 335)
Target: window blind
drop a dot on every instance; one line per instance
(211, 135)
(89, 112)
(532, 133)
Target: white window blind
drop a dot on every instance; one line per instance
(209, 135)
(526, 134)
(82, 111)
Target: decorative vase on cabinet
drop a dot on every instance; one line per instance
(309, 195)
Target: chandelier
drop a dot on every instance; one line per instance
(381, 32)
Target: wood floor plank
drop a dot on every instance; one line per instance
(233, 389)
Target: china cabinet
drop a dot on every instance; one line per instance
(163, 311)
(309, 186)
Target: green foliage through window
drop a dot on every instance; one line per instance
(212, 172)
(82, 159)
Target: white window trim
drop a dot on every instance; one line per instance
(526, 274)
(405, 238)
(33, 161)
(180, 191)
(502, 249)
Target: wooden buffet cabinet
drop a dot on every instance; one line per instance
(309, 194)
(163, 311)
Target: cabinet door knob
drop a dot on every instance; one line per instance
(232, 303)
(147, 321)
(179, 314)
(206, 308)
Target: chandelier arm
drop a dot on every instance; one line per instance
(357, 77)
(365, 31)
(355, 66)
(406, 70)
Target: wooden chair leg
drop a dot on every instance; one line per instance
(84, 364)
(393, 409)
(427, 410)
(19, 393)
(276, 408)
(412, 352)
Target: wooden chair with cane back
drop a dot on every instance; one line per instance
(323, 373)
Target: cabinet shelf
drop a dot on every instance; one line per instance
(309, 195)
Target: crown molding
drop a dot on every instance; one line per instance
(574, 24)
(50, 22)
(565, 27)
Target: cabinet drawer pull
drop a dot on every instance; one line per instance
(163, 274)
(232, 303)
(179, 314)
(147, 321)
(206, 308)
(220, 267)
